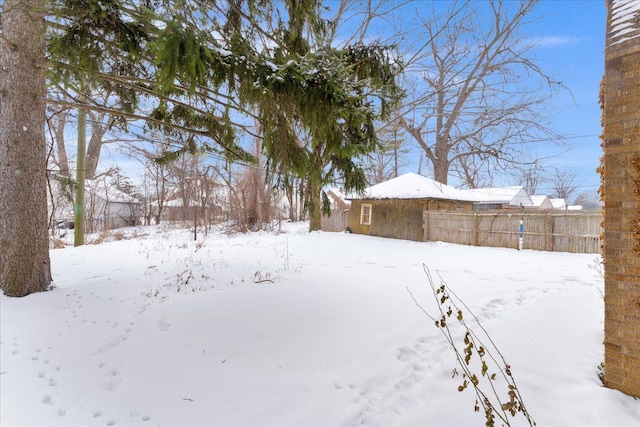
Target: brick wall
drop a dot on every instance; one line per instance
(621, 144)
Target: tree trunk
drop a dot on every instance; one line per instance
(79, 225)
(98, 131)
(441, 172)
(315, 206)
(60, 120)
(24, 243)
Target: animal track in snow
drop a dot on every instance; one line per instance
(163, 325)
(114, 380)
(401, 393)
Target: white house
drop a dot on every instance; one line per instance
(541, 201)
(106, 207)
(559, 204)
(500, 198)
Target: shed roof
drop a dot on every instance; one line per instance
(414, 186)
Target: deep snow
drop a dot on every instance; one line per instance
(296, 329)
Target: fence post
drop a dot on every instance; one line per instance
(548, 233)
(521, 237)
(476, 220)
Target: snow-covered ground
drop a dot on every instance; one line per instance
(297, 329)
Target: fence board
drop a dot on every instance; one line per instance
(566, 232)
(337, 222)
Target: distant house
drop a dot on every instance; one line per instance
(120, 213)
(395, 208)
(559, 204)
(500, 198)
(109, 208)
(542, 202)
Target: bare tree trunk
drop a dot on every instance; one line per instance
(24, 243)
(441, 170)
(484, 102)
(98, 131)
(58, 122)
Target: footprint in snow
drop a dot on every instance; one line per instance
(163, 325)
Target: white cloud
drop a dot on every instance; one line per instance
(545, 41)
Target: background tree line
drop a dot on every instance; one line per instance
(286, 96)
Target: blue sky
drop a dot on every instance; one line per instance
(574, 32)
(569, 37)
(571, 49)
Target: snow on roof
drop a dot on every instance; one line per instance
(339, 194)
(541, 201)
(538, 199)
(559, 203)
(515, 195)
(414, 186)
(625, 21)
(107, 191)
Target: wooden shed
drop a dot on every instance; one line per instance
(395, 208)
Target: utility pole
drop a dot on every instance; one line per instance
(78, 227)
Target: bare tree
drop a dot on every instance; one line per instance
(563, 183)
(589, 200)
(531, 179)
(476, 95)
(385, 163)
(56, 122)
(102, 124)
(472, 172)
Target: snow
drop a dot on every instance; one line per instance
(559, 203)
(515, 195)
(625, 15)
(414, 186)
(541, 201)
(296, 329)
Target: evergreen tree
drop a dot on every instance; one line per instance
(197, 71)
(24, 244)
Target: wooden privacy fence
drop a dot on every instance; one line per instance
(338, 221)
(570, 232)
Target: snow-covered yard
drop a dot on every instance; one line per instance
(296, 329)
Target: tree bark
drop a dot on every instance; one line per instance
(58, 122)
(24, 243)
(315, 205)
